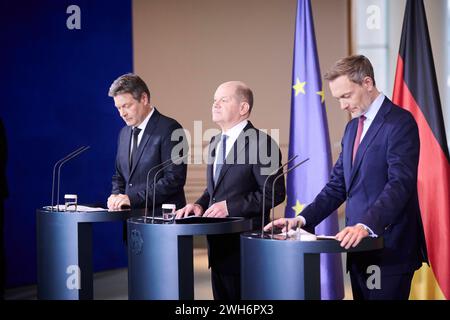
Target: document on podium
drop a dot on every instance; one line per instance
(90, 209)
(303, 235)
(195, 219)
(299, 234)
(78, 209)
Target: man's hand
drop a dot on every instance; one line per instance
(188, 209)
(352, 236)
(117, 201)
(217, 210)
(290, 223)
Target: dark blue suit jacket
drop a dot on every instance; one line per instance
(154, 148)
(380, 190)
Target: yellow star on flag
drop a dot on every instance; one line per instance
(322, 95)
(298, 208)
(299, 87)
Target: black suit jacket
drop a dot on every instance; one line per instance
(253, 157)
(155, 147)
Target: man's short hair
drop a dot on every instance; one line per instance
(246, 94)
(129, 83)
(355, 67)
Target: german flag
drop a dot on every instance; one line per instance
(416, 90)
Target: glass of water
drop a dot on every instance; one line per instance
(168, 212)
(70, 202)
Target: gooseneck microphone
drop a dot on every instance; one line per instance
(59, 171)
(164, 165)
(58, 165)
(146, 184)
(264, 192)
(273, 188)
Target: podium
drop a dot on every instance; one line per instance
(273, 269)
(64, 252)
(160, 255)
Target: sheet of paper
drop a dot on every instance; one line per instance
(79, 208)
(300, 234)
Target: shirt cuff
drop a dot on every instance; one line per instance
(371, 233)
(302, 219)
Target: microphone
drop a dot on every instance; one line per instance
(264, 192)
(59, 170)
(273, 188)
(164, 165)
(59, 164)
(146, 184)
(54, 171)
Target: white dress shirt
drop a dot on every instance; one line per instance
(232, 133)
(371, 113)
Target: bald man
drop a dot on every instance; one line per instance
(239, 161)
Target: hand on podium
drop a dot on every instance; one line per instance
(217, 210)
(118, 201)
(190, 208)
(352, 236)
(285, 224)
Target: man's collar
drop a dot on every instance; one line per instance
(143, 125)
(375, 106)
(237, 129)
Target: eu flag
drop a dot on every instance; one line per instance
(309, 139)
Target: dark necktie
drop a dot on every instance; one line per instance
(134, 146)
(221, 158)
(358, 136)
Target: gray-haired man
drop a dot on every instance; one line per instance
(145, 142)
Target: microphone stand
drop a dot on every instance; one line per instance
(59, 164)
(59, 172)
(273, 189)
(146, 184)
(264, 193)
(154, 183)
(54, 173)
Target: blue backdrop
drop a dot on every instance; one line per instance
(54, 99)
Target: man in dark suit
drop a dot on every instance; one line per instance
(149, 139)
(376, 175)
(239, 161)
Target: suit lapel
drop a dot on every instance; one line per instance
(369, 137)
(348, 150)
(149, 129)
(125, 151)
(238, 146)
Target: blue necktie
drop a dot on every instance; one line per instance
(221, 158)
